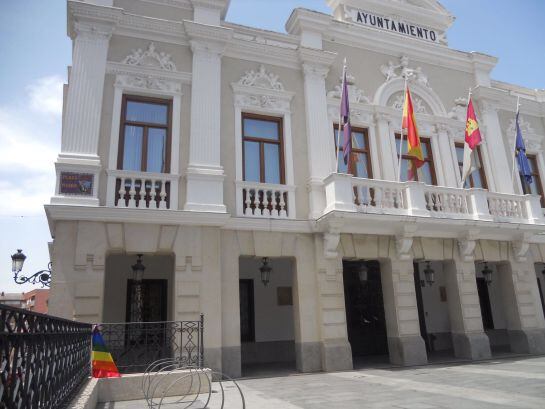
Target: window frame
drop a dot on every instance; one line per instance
(262, 141)
(423, 140)
(482, 171)
(536, 176)
(366, 152)
(145, 125)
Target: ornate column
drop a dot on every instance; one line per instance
(205, 174)
(405, 344)
(78, 161)
(447, 161)
(466, 323)
(495, 145)
(385, 147)
(321, 147)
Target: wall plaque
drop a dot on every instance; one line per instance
(284, 296)
(76, 183)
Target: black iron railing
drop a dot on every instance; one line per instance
(44, 359)
(135, 345)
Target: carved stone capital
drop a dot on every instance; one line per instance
(520, 250)
(404, 245)
(487, 107)
(331, 243)
(467, 249)
(317, 71)
(93, 31)
(442, 128)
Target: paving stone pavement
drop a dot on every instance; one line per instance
(506, 383)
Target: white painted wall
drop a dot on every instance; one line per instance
(436, 312)
(272, 322)
(118, 271)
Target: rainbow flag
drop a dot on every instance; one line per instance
(103, 363)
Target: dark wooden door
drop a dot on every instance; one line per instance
(154, 300)
(484, 301)
(247, 317)
(365, 319)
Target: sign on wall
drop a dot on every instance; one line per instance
(76, 183)
(391, 24)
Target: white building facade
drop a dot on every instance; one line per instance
(208, 146)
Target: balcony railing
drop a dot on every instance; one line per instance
(265, 200)
(350, 194)
(141, 190)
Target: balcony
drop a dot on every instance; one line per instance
(346, 193)
(265, 200)
(140, 190)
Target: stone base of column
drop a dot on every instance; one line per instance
(471, 345)
(407, 351)
(308, 356)
(85, 170)
(231, 361)
(336, 355)
(529, 341)
(212, 359)
(205, 190)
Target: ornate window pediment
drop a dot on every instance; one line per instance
(150, 58)
(459, 110)
(398, 100)
(261, 79)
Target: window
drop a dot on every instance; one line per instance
(426, 173)
(534, 188)
(263, 149)
(477, 179)
(145, 135)
(360, 160)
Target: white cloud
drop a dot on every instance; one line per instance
(30, 134)
(46, 95)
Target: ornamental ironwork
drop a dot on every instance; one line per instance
(135, 345)
(44, 360)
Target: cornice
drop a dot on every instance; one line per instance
(132, 25)
(79, 12)
(207, 33)
(507, 100)
(303, 19)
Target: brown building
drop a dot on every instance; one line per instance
(35, 300)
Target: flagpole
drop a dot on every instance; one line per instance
(462, 177)
(401, 141)
(340, 117)
(514, 151)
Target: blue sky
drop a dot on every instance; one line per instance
(34, 54)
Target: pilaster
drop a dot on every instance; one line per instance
(405, 345)
(449, 170)
(385, 146)
(466, 324)
(204, 173)
(79, 158)
(525, 322)
(494, 144)
(321, 146)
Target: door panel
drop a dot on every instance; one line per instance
(247, 323)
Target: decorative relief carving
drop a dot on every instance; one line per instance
(356, 115)
(262, 101)
(331, 243)
(262, 79)
(402, 70)
(355, 94)
(148, 82)
(520, 249)
(418, 104)
(150, 58)
(459, 111)
(525, 127)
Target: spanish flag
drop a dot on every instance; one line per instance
(472, 140)
(414, 149)
(103, 363)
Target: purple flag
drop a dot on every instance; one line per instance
(345, 116)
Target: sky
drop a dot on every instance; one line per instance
(35, 53)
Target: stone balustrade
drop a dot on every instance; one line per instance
(141, 190)
(350, 194)
(265, 200)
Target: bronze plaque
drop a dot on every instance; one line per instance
(284, 296)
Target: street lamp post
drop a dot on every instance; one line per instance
(42, 277)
